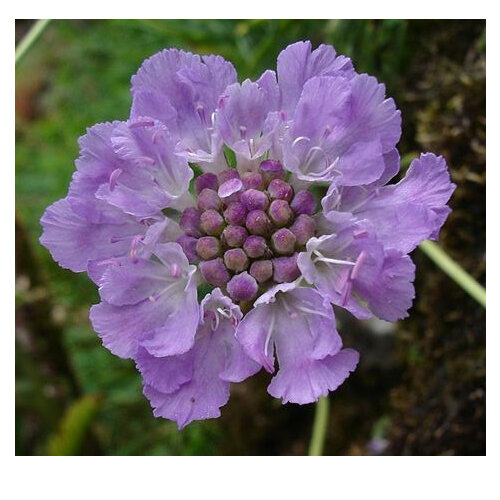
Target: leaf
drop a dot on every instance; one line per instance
(74, 427)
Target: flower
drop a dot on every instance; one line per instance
(290, 215)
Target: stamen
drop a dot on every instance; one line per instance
(327, 171)
(175, 271)
(359, 262)
(322, 258)
(224, 312)
(145, 122)
(361, 233)
(347, 293)
(113, 178)
(327, 132)
(243, 132)
(311, 311)
(201, 114)
(147, 160)
(299, 139)
(269, 333)
(211, 316)
(157, 134)
(344, 278)
(251, 147)
(156, 296)
(134, 246)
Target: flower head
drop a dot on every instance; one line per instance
(291, 215)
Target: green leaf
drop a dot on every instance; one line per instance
(74, 427)
(230, 156)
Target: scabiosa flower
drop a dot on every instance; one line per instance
(275, 256)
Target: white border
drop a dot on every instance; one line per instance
(226, 477)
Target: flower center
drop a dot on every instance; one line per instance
(247, 231)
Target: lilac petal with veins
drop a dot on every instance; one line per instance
(297, 325)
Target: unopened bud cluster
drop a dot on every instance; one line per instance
(247, 231)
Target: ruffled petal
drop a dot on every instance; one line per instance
(316, 378)
(298, 63)
(223, 315)
(166, 374)
(132, 281)
(215, 360)
(72, 240)
(153, 103)
(354, 271)
(371, 114)
(315, 146)
(338, 263)
(191, 86)
(95, 166)
(200, 398)
(154, 176)
(394, 292)
(268, 83)
(241, 118)
(148, 303)
(300, 326)
(165, 230)
(416, 206)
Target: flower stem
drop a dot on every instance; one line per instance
(454, 271)
(319, 427)
(30, 38)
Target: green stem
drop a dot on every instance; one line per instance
(319, 427)
(454, 271)
(30, 38)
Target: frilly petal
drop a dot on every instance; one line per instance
(148, 303)
(215, 360)
(153, 177)
(72, 240)
(298, 63)
(300, 327)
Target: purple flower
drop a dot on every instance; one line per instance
(280, 257)
(194, 385)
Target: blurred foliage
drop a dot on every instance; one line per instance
(78, 74)
(75, 425)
